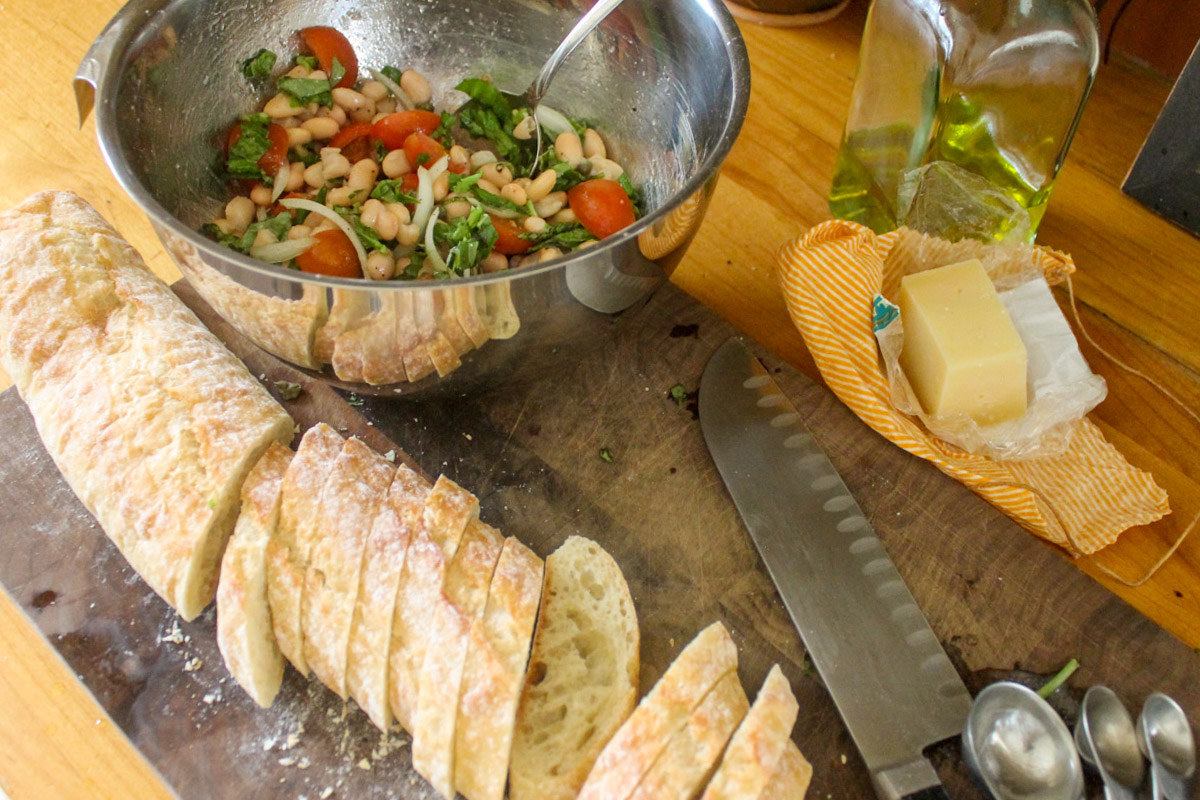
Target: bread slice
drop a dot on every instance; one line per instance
(629, 755)
(448, 508)
(350, 499)
(288, 551)
(495, 673)
(460, 607)
(244, 633)
(383, 564)
(152, 422)
(583, 673)
(755, 750)
(684, 767)
(791, 778)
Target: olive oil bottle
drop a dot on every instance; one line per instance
(995, 87)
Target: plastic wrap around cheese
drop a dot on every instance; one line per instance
(961, 354)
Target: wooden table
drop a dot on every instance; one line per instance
(1138, 290)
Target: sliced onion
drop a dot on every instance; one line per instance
(431, 252)
(553, 121)
(278, 252)
(402, 98)
(336, 219)
(281, 180)
(503, 213)
(425, 201)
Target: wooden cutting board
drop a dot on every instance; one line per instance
(1004, 604)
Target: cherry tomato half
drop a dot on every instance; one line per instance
(276, 157)
(508, 241)
(354, 141)
(417, 145)
(602, 206)
(410, 182)
(327, 44)
(333, 254)
(393, 129)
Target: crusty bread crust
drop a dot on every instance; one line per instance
(758, 744)
(791, 778)
(459, 609)
(691, 755)
(244, 633)
(351, 497)
(633, 750)
(448, 509)
(289, 550)
(494, 674)
(153, 423)
(582, 680)
(383, 564)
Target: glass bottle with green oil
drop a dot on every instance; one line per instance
(995, 87)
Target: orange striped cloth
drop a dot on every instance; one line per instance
(1081, 500)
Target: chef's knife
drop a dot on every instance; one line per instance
(895, 688)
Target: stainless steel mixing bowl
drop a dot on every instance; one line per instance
(666, 80)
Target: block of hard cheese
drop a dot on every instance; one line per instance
(962, 354)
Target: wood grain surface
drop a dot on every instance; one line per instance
(1138, 289)
(1004, 604)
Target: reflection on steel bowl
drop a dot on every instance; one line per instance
(667, 79)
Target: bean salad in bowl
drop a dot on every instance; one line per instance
(361, 178)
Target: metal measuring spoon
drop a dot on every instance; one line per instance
(1164, 735)
(1106, 740)
(541, 84)
(1018, 747)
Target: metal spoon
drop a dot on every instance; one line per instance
(1018, 747)
(541, 84)
(1106, 740)
(1164, 735)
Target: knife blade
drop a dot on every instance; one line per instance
(892, 682)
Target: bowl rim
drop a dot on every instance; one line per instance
(108, 138)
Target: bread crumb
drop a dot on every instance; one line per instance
(304, 763)
(364, 764)
(328, 790)
(174, 636)
(390, 455)
(287, 761)
(843, 758)
(192, 664)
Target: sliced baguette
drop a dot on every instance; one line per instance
(629, 755)
(350, 500)
(791, 778)
(758, 745)
(383, 564)
(684, 767)
(460, 607)
(583, 673)
(448, 509)
(244, 633)
(289, 550)
(494, 674)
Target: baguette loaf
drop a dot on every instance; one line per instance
(350, 499)
(756, 748)
(289, 550)
(494, 674)
(583, 673)
(244, 632)
(152, 422)
(448, 509)
(459, 609)
(691, 755)
(629, 755)
(791, 778)
(383, 564)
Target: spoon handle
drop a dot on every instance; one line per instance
(1167, 786)
(577, 34)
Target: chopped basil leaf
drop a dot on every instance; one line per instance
(287, 390)
(392, 73)
(565, 236)
(442, 132)
(260, 64)
(486, 95)
(471, 239)
(252, 144)
(279, 225)
(678, 394)
(416, 261)
(303, 91)
(307, 61)
(495, 200)
(222, 238)
(381, 151)
(635, 196)
(606, 455)
(463, 183)
(568, 176)
(336, 73)
(389, 191)
(423, 159)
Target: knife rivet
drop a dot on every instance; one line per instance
(839, 503)
(785, 419)
(864, 545)
(770, 400)
(894, 588)
(877, 566)
(797, 440)
(824, 483)
(852, 524)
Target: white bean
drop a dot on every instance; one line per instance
(459, 156)
(261, 195)
(336, 165)
(280, 106)
(351, 100)
(264, 237)
(314, 175)
(363, 174)
(400, 212)
(381, 266)
(542, 185)
(568, 148)
(606, 168)
(240, 211)
(551, 204)
(321, 127)
(299, 136)
(342, 196)
(396, 164)
(482, 158)
(299, 232)
(495, 262)
(407, 234)
(416, 86)
(514, 194)
(441, 187)
(564, 216)
(534, 224)
(488, 186)
(497, 174)
(457, 208)
(374, 91)
(593, 145)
